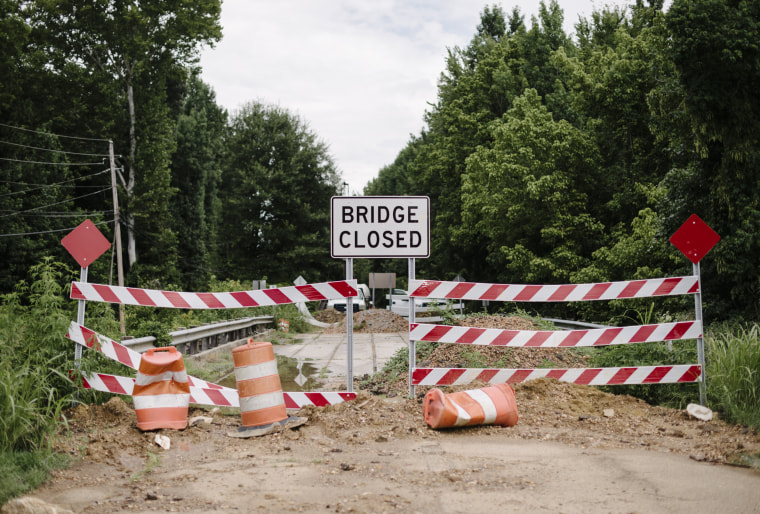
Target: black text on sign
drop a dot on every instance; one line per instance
(380, 226)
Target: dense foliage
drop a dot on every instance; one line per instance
(553, 160)
(76, 75)
(548, 157)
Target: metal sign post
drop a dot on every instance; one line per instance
(349, 331)
(412, 346)
(695, 238)
(85, 243)
(80, 316)
(700, 340)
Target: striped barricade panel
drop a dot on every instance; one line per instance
(555, 339)
(218, 397)
(554, 293)
(232, 300)
(120, 353)
(681, 373)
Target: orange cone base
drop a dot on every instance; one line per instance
(271, 428)
(266, 416)
(164, 417)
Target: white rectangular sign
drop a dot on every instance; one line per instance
(379, 226)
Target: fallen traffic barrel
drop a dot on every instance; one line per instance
(493, 405)
(258, 384)
(162, 393)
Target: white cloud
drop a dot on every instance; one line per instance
(360, 73)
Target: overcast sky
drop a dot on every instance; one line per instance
(360, 73)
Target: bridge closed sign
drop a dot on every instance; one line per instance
(379, 227)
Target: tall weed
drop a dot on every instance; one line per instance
(31, 402)
(733, 373)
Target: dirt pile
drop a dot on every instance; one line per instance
(478, 356)
(371, 321)
(329, 316)
(549, 411)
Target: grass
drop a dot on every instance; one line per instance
(210, 367)
(733, 374)
(30, 412)
(23, 471)
(152, 461)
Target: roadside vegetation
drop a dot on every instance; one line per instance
(36, 360)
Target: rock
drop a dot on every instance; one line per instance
(199, 419)
(609, 413)
(31, 505)
(163, 441)
(699, 412)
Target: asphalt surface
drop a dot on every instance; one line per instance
(327, 354)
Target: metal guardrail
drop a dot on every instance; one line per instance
(566, 324)
(194, 340)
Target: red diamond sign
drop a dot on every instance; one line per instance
(695, 238)
(86, 243)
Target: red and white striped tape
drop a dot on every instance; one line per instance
(219, 397)
(120, 353)
(560, 338)
(201, 392)
(554, 293)
(232, 300)
(586, 376)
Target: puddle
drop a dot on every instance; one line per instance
(295, 375)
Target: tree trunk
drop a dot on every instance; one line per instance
(130, 219)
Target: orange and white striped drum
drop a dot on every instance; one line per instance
(494, 405)
(162, 392)
(258, 384)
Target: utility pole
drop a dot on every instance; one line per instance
(117, 234)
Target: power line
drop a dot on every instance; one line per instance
(50, 231)
(56, 163)
(56, 203)
(51, 134)
(42, 186)
(61, 214)
(54, 151)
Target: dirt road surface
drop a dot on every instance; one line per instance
(377, 455)
(574, 449)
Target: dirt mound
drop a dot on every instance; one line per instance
(329, 315)
(372, 321)
(548, 410)
(478, 356)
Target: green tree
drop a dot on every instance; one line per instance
(714, 47)
(527, 195)
(139, 49)
(276, 187)
(196, 172)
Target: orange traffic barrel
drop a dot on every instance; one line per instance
(493, 405)
(258, 384)
(162, 392)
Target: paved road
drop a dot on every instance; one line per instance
(328, 352)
